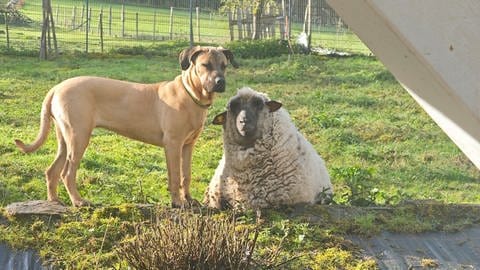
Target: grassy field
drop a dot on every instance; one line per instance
(380, 148)
(213, 27)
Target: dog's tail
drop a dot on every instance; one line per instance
(44, 126)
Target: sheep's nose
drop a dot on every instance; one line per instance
(242, 123)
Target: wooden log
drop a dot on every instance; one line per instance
(36, 208)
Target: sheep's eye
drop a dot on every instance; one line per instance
(258, 104)
(234, 105)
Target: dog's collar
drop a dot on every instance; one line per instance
(189, 91)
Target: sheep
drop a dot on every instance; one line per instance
(266, 161)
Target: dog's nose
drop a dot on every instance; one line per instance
(219, 84)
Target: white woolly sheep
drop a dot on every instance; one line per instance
(266, 161)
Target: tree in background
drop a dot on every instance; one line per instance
(10, 12)
(257, 8)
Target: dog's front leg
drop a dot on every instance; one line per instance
(173, 154)
(187, 173)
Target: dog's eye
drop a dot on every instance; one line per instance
(207, 66)
(223, 66)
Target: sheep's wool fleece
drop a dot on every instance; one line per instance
(282, 168)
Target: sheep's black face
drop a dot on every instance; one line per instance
(243, 114)
(242, 122)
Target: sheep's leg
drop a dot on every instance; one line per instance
(173, 153)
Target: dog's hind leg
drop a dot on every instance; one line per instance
(76, 140)
(53, 172)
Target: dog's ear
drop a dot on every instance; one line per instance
(188, 55)
(220, 119)
(229, 55)
(273, 105)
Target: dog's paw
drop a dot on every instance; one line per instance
(56, 201)
(82, 203)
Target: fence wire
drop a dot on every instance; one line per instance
(106, 25)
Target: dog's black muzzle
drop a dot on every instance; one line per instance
(219, 85)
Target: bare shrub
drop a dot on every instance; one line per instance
(185, 240)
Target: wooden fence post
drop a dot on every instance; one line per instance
(6, 30)
(82, 22)
(89, 18)
(101, 29)
(57, 11)
(197, 9)
(171, 23)
(74, 17)
(248, 19)
(154, 23)
(136, 25)
(123, 20)
(239, 23)
(230, 25)
(110, 21)
(86, 26)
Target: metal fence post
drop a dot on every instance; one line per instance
(86, 26)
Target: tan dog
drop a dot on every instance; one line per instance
(170, 114)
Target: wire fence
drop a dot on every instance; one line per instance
(102, 25)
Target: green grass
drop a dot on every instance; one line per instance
(213, 28)
(380, 148)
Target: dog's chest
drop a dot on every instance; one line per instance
(193, 136)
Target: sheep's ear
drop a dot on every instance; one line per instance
(220, 118)
(188, 55)
(273, 105)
